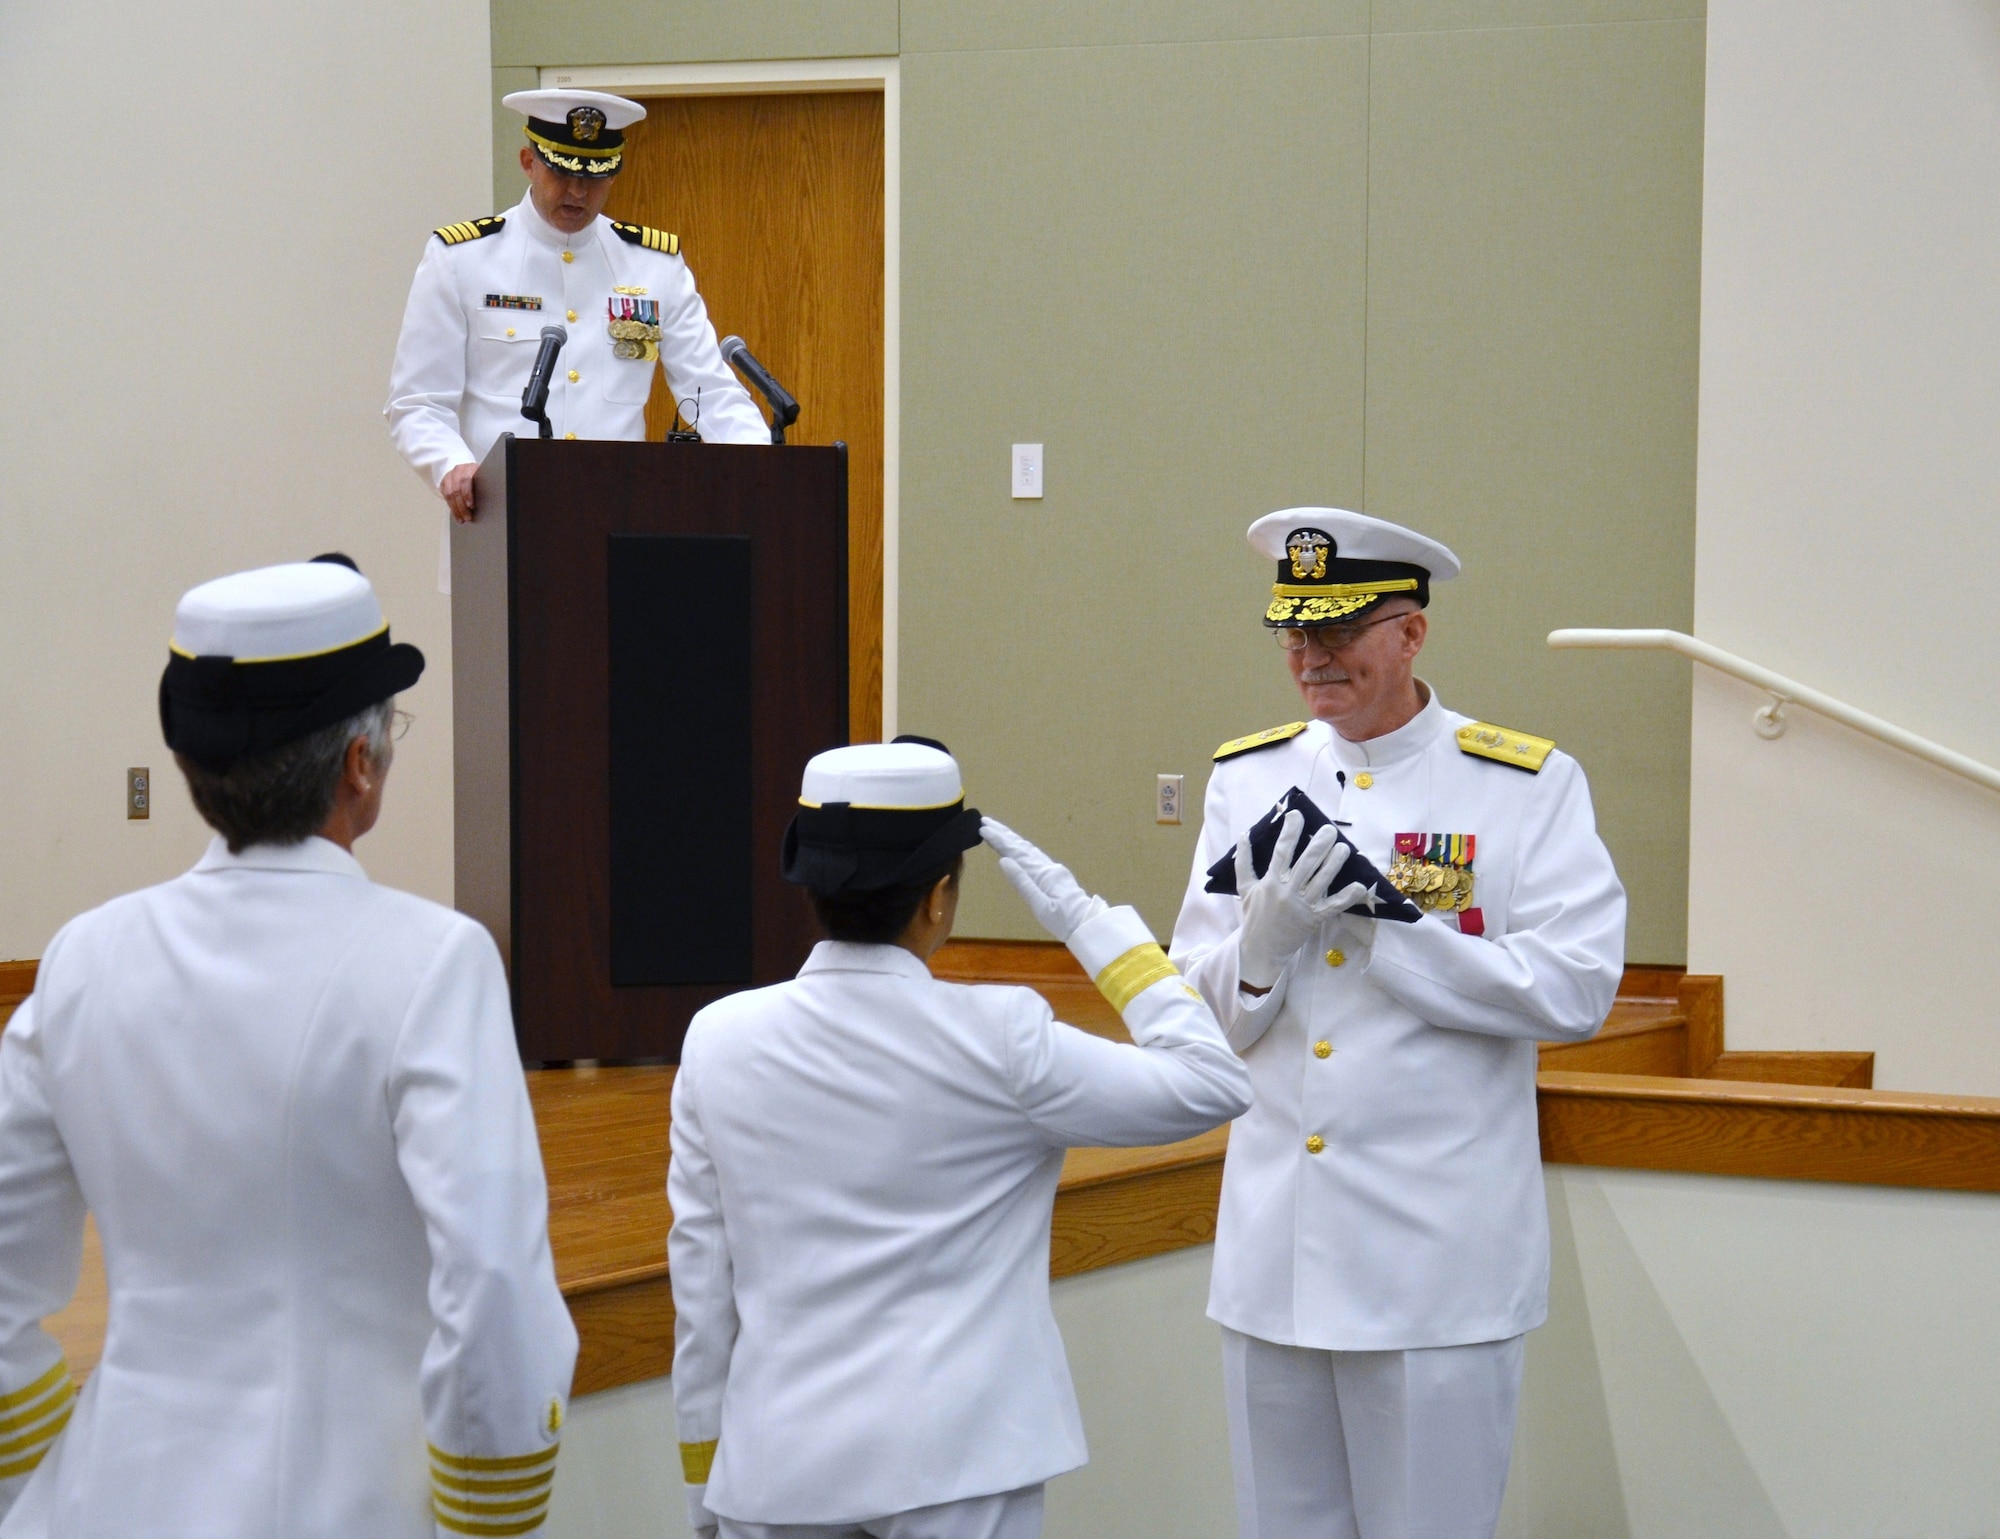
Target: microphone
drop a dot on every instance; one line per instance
(535, 399)
(784, 409)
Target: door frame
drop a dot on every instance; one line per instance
(766, 77)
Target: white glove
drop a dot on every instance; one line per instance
(1284, 908)
(1056, 898)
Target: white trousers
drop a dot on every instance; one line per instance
(1370, 1445)
(1010, 1515)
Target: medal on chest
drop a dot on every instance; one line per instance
(634, 327)
(1434, 871)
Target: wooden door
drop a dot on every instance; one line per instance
(778, 202)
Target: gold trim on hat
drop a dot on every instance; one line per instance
(1344, 589)
(1323, 603)
(575, 149)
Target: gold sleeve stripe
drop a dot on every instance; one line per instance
(45, 1433)
(513, 1509)
(57, 1395)
(464, 1464)
(36, 1446)
(475, 1526)
(480, 1485)
(1125, 979)
(697, 1459)
(56, 1375)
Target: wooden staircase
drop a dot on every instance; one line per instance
(1664, 1022)
(1668, 1022)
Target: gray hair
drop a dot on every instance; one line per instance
(286, 795)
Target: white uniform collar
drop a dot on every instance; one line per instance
(541, 230)
(847, 957)
(1408, 740)
(313, 854)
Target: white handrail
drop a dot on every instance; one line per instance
(1770, 721)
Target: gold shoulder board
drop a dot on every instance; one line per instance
(471, 229)
(645, 235)
(1257, 740)
(1520, 749)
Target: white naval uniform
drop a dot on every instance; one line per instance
(1421, 1222)
(462, 362)
(864, 1167)
(291, 1099)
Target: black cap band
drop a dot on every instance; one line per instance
(217, 710)
(839, 849)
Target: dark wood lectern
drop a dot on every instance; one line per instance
(648, 643)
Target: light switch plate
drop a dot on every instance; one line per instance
(138, 793)
(1167, 799)
(1027, 470)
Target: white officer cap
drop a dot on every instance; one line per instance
(883, 777)
(580, 133)
(264, 657)
(275, 613)
(1333, 563)
(878, 815)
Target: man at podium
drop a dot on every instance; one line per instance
(487, 288)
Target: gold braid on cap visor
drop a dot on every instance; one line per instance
(1315, 604)
(569, 157)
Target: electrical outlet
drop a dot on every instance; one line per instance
(138, 793)
(1167, 799)
(1027, 470)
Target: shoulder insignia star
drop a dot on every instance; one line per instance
(1522, 750)
(470, 229)
(1257, 740)
(645, 235)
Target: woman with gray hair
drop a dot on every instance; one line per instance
(291, 1099)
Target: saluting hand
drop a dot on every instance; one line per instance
(456, 489)
(1053, 896)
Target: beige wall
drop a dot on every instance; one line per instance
(1760, 1359)
(200, 309)
(1847, 535)
(1726, 1358)
(1221, 259)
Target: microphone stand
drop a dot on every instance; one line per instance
(784, 407)
(535, 399)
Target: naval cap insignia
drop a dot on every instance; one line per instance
(1308, 549)
(585, 124)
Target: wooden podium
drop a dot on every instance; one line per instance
(649, 640)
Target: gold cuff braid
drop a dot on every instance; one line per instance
(697, 1459)
(1125, 979)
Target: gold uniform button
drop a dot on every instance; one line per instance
(569, 435)
(574, 376)
(1335, 957)
(1322, 1050)
(569, 256)
(510, 331)
(1364, 780)
(571, 314)
(1315, 1144)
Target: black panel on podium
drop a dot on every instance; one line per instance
(648, 643)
